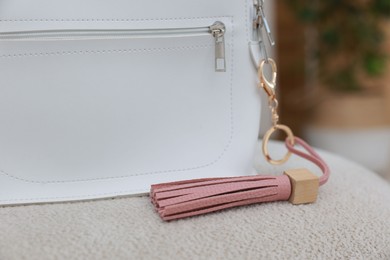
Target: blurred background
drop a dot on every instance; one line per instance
(334, 76)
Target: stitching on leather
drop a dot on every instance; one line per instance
(155, 172)
(111, 20)
(123, 193)
(247, 20)
(231, 107)
(229, 143)
(59, 53)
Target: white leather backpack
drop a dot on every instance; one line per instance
(104, 98)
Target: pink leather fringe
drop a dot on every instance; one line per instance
(195, 197)
(189, 198)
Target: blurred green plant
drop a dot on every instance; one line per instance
(349, 36)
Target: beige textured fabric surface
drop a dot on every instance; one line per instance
(351, 219)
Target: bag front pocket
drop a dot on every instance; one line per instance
(78, 105)
(216, 30)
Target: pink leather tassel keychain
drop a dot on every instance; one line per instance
(182, 199)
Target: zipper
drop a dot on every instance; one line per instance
(217, 30)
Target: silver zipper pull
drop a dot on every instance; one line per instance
(218, 31)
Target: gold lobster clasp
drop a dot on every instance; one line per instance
(268, 86)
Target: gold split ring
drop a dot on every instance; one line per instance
(267, 137)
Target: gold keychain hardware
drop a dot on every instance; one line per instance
(270, 89)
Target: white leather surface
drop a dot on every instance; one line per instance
(104, 118)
